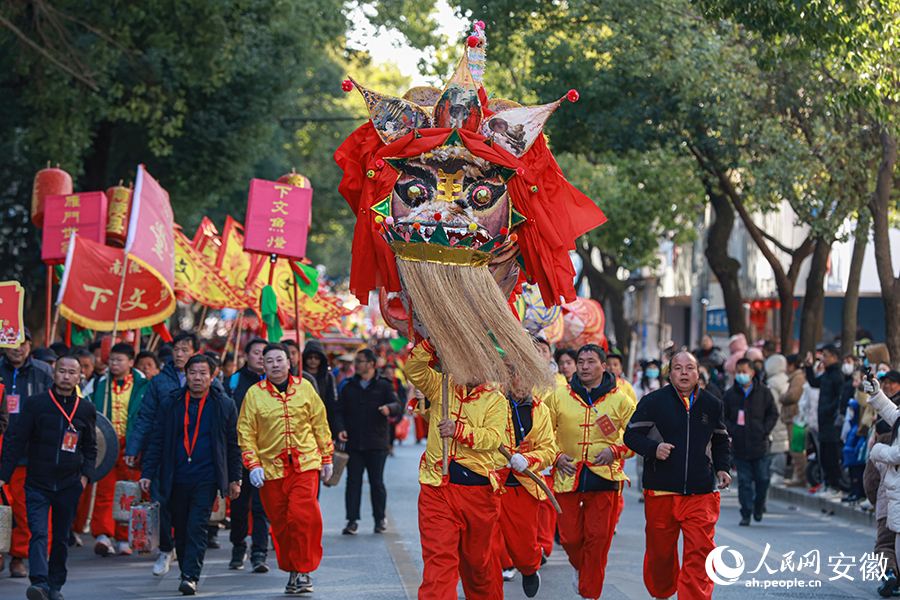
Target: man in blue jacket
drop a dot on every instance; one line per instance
(170, 379)
(193, 454)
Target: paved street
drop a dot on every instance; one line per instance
(374, 567)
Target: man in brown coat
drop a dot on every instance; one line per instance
(789, 409)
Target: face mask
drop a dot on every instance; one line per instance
(881, 374)
(847, 369)
(652, 373)
(743, 378)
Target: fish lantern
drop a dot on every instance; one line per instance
(118, 215)
(48, 182)
(584, 323)
(458, 199)
(537, 316)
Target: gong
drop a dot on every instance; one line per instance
(107, 448)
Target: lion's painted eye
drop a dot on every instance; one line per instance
(414, 193)
(481, 196)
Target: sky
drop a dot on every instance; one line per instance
(384, 45)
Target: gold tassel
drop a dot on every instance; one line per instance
(460, 307)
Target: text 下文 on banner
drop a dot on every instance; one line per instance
(278, 218)
(66, 215)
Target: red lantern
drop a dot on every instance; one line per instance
(48, 182)
(778, 305)
(768, 304)
(756, 305)
(119, 213)
(278, 218)
(295, 179)
(796, 304)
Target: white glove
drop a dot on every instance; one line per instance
(518, 462)
(871, 387)
(258, 477)
(327, 471)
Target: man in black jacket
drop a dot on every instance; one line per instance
(249, 375)
(364, 406)
(830, 444)
(170, 379)
(22, 377)
(750, 415)
(56, 429)
(680, 432)
(194, 454)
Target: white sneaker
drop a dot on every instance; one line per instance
(509, 574)
(103, 546)
(122, 547)
(162, 563)
(575, 583)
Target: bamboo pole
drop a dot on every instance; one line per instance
(296, 307)
(228, 339)
(49, 304)
(445, 414)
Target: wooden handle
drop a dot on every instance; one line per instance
(535, 478)
(445, 414)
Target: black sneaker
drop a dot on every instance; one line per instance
(187, 587)
(381, 526)
(212, 539)
(56, 595)
(291, 587)
(238, 556)
(531, 584)
(757, 515)
(258, 561)
(889, 585)
(351, 528)
(304, 584)
(745, 521)
(36, 592)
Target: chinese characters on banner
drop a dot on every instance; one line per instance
(199, 281)
(12, 327)
(66, 215)
(119, 211)
(278, 218)
(87, 293)
(151, 237)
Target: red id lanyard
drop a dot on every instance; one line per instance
(189, 448)
(68, 418)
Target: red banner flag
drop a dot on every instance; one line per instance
(65, 215)
(12, 326)
(151, 238)
(87, 293)
(278, 217)
(207, 241)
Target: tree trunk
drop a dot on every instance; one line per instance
(814, 301)
(878, 205)
(851, 298)
(607, 288)
(96, 165)
(725, 267)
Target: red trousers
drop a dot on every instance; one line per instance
(586, 527)
(293, 510)
(421, 427)
(547, 522)
(102, 522)
(668, 516)
(15, 492)
(516, 532)
(456, 524)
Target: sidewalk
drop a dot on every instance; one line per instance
(801, 497)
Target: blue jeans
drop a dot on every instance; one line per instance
(753, 474)
(190, 506)
(50, 575)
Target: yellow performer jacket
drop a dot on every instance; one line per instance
(583, 431)
(538, 447)
(276, 431)
(482, 417)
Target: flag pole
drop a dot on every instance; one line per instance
(49, 304)
(296, 307)
(53, 327)
(228, 339)
(237, 340)
(115, 330)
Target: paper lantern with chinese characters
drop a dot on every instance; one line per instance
(537, 316)
(118, 213)
(278, 218)
(584, 323)
(47, 182)
(84, 214)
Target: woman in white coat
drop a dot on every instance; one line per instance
(888, 454)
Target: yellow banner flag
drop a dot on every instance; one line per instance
(197, 279)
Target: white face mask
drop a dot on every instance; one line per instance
(847, 369)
